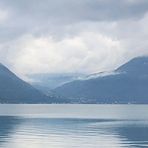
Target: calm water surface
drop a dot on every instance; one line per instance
(73, 126)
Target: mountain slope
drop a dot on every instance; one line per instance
(128, 85)
(15, 90)
(137, 66)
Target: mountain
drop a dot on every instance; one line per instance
(15, 90)
(127, 84)
(48, 81)
(137, 67)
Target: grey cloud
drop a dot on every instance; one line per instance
(72, 10)
(38, 16)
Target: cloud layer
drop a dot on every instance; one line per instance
(71, 36)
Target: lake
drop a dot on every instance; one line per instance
(73, 126)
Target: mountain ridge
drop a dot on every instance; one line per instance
(130, 85)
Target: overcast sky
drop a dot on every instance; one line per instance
(84, 36)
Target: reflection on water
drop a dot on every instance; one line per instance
(19, 132)
(7, 126)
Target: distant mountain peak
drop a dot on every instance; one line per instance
(138, 65)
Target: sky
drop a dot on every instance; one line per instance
(69, 36)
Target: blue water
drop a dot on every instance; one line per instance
(44, 126)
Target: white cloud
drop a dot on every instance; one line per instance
(87, 52)
(90, 47)
(44, 39)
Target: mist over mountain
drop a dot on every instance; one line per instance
(128, 84)
(48, 81)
